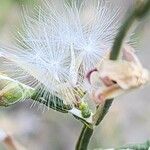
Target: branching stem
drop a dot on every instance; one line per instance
(139, 12)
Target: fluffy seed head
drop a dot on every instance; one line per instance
(60, 42)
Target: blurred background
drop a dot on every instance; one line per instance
(38, 128)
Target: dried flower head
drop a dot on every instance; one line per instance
(60, 43)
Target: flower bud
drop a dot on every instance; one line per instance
(12, 91)
(85, 111)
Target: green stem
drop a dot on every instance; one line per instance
(104, 111)
(84, 138)
(140, 11)
(120, 37)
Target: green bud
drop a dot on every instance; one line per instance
(12, 91)
(85, 111)
(83, 106)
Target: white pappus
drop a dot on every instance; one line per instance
(60, 43)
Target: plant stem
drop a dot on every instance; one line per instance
(104, 111)
(84, 138)
(87, 131)
(120, 37)
(140, 11)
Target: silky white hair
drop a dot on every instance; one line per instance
(60, 42)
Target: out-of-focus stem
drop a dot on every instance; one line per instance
(9, 142)
(140, 11)
(143, 146)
